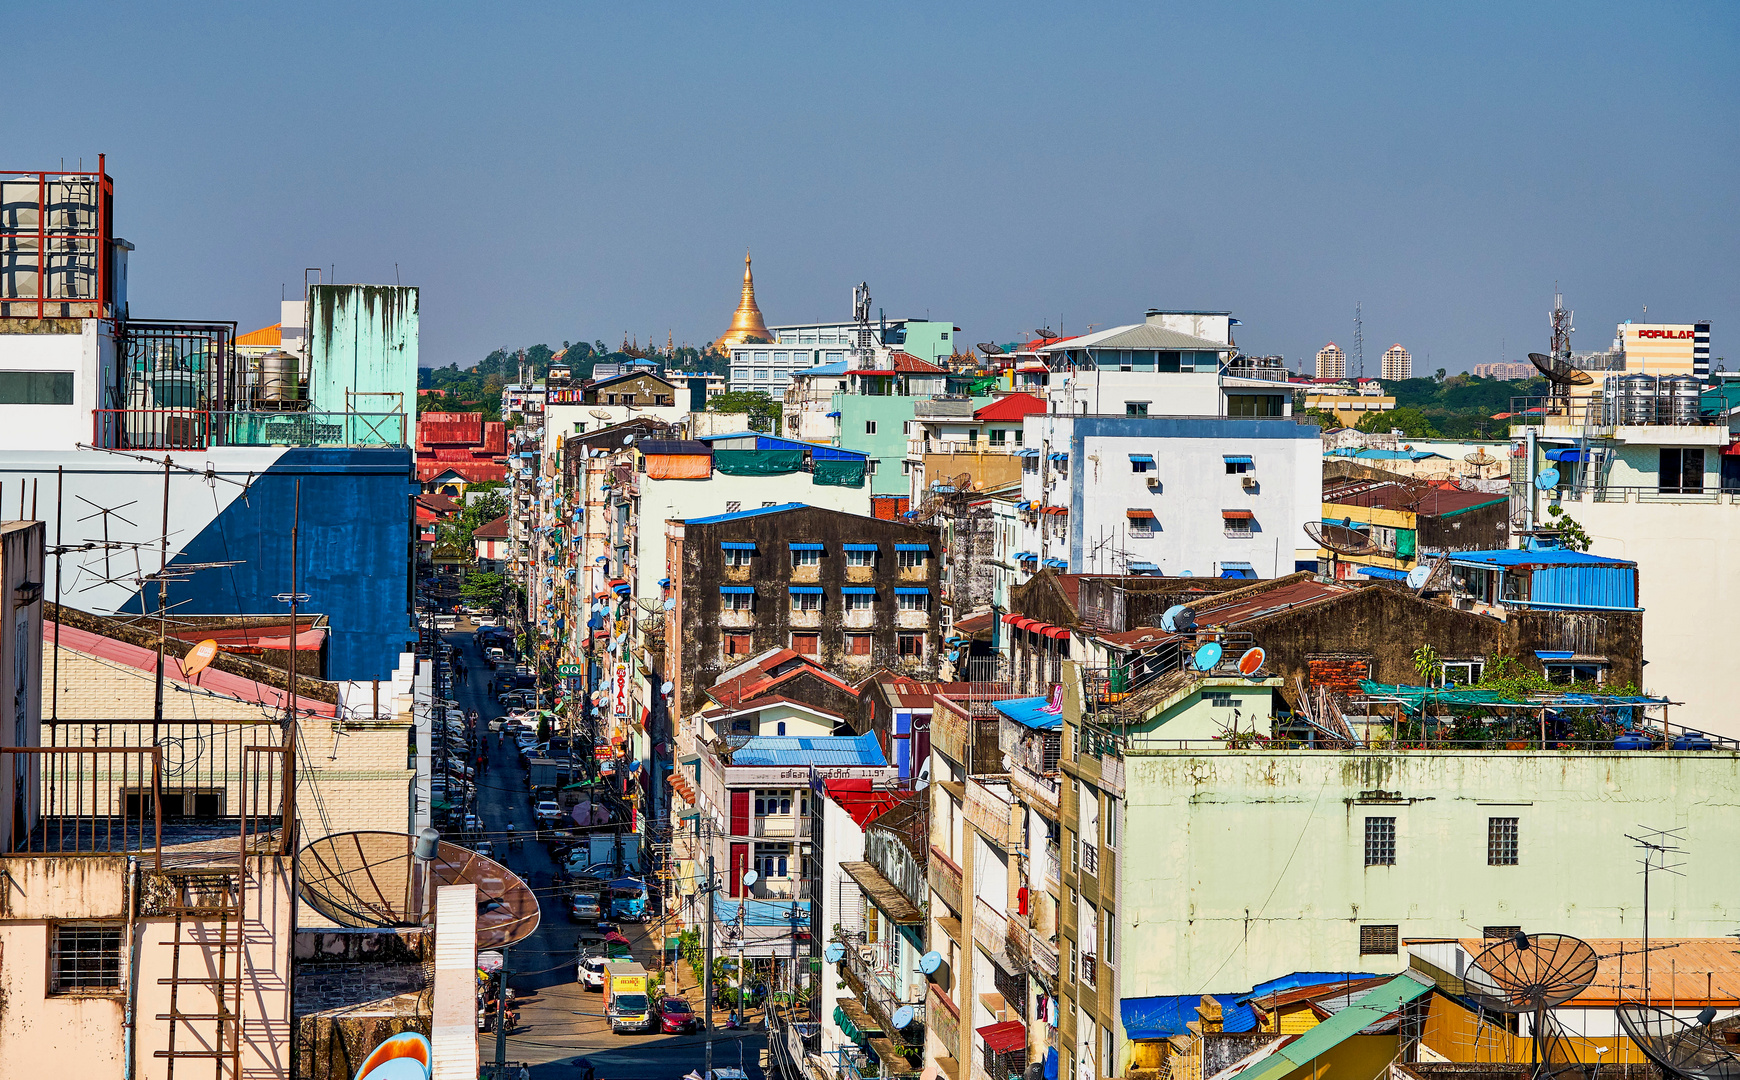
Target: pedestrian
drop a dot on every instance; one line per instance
(587, 1072)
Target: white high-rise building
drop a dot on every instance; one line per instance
(1398, 363)
(1331, 362)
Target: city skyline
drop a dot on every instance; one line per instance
(536, 193)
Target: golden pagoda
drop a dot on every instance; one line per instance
(747, 323)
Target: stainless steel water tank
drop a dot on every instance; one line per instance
(279, 377)
(1640, 394)
(1679, 399)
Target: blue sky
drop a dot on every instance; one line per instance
(567, 171)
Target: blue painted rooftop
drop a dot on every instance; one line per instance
(741, 514)
(1030, 712)
(836, 368)
(1534, 557)
(787, 751)
(1164, 1017)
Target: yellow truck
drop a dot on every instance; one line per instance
(628, 998)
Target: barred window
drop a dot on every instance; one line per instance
(1380, 841)
(86, 958)
(1378, 940)
(1499, 933)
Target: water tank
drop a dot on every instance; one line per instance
(1613, 399)
(1692, 740)
(279, 381)
(1639, 394)
(1631, 742)
(1679, 399)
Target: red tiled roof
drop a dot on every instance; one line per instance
(904, 364)
(494, 530)
(758, 682)
(1011, 407)
(472, 472)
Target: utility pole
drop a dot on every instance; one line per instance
(501, 1025)
(712, 887)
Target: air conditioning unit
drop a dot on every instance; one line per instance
(1153, 483)
(1250, 482)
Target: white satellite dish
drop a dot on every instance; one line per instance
(750, 877)
(627, 440)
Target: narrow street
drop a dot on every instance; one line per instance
(559, 1019)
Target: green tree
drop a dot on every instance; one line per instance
(1572, 535)
(484, 590)
(1323, 418)
(764, 412)
(1411, 422)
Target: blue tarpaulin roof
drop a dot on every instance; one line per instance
(1164, 1017)
(1030, 712)
(1539, 557)
(789, 751)
(1384, 572)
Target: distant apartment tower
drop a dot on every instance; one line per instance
(1504, 371)
(1398, 363)
(1331, 362)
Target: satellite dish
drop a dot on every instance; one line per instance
(1684, 1049)
(599, 414)
(903, 1017)
(406, 1055)
(1547, 479)
(199, 658)
(1523, 974)
(834, 953)
(750, 877)
(1177, 619)
(1481, 458)
(628, 440)
(667, 687)
(1207, 656)
(670, 603)
(1342, 539)
(1251, 662)
(1186, 573)
(1559, 372)
(373, 879)
(930, 963)
(990, 348)
(1418, 576)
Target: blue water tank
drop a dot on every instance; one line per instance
(1692, 740)
(1631, 742)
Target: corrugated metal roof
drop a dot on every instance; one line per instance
(1350, 1021)
(1138, 336)
(741, 514)
(786, 751)
(1163, 1017)
(1030, 712)
(1585, 586)
(1542, 557)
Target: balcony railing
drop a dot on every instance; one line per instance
(990, 928)
(200, 429)
(1034, 789)
(992, 812)
(869, 968)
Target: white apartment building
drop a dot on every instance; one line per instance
(1398, 363)
(1331, 362)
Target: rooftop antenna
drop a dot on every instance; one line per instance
(1557, 367)
(1521, 975)
(1657, 846)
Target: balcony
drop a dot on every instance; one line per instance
(1053, 866)
(781, 827)
(943, 1018)
(990, 928)
(945, 879)
(868, 969)
(1037, 791)
(1041, 955)
(993, 813)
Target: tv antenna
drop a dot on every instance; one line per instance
(1659, 847)
(1557, 368)
(1526, 976)
(1358, 342)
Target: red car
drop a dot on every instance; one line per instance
(675, 1017)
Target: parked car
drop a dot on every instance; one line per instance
(676, 1016)
(591, 972)
(583, 907)
(498, 723)
(547, 812)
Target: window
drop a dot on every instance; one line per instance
(910, 645)
(1378, 940)
(772, 802)
(1682, 470)
(806, 644)
(910, 559)
(1499, 933)
(741, 601)
(737, 645)
(1218, 699)
(1570, 673)
(913, 601)
(1233, 468)
(859, 601)
(1135, 408)
(869, 427)
(999, 436)
(85, 958)
(870, 467)
(774, 860)
(1239, 527)
(738, 556)
(1141, 463)
(1253, 405)
(857, 644)
(1380, 842)
(806, 557)
(806, 601)
(860, 558)
(1141, 526)
(1111, 827)
(733, 507)
(760, 374)
(579, 427)
(906, 468)
(1501, 845)
(1463, 672)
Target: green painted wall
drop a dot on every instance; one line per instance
(363, 339)
(887, 444)
(929, 340)
(1242, 866)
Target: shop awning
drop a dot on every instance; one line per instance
(1056, 633)
(1237, 515)
(1139, 512)
(736, 545)
(1004, 1037)
(737, 590)
(1011, 619)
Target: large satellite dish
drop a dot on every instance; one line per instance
(1684, 1049)
(1481, 459)
(990, 349)
(1523, 974)
(1559, 372)
(372, 879)
(1342, 539)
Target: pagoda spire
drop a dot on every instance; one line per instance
(747, 322)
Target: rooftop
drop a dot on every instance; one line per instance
(744, 514)
(1137, 336)
(1433, 502)
(1011, 407)
(819, 750)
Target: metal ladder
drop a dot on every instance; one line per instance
(210, 1028)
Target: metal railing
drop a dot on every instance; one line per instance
(199, 429)
(867, 964)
